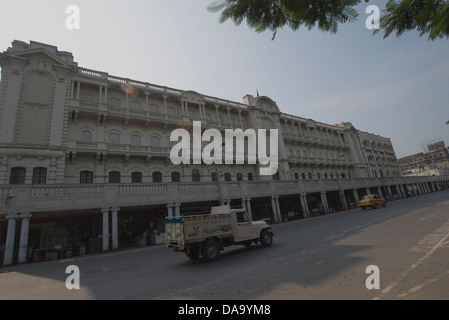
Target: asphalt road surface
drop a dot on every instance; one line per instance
(324, 257)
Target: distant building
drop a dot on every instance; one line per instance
(434, 161)
(85, 160)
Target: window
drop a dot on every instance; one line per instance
(196, 176)
(175, 177)
(114, 138)
(136, 177)
(303, 176)
(135, 140)
(86, 136)
(156, 142)
(213, 176)
(114, 177)
(39, 175)
(157, 177)
(17, 176)
(86, 177)
(239, 176)
(227, 176)
(275, 176)
(296, 176)
(242, 217)
(250, 176)
(310, 176)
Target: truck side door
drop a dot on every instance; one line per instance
(244, 226)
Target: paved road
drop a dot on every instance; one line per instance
(319, 258)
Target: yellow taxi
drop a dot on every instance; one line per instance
(372, 201)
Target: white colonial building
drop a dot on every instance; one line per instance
(85, 159)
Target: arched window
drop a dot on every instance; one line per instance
(196, 176)
(155, 142)
(239, 176)
(296, 176)
(39, 175)
(250, 176)
(136, 140)
(17, 175)
(303, 176)
(227, 176)
(175, 177)
(114, 177)
(86, 177)
(213, 176)
(136, 177)
(310, 176)
(86, 136)
(114, 138)
(157, 177)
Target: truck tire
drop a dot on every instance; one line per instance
(266, 238)
(211, 250)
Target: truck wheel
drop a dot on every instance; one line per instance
(211, 250)
(266, 238)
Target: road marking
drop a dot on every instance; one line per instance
(439, 244)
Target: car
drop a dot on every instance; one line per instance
(372, 201)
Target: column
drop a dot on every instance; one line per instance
(177, 210)
(105, 213)
(244, 204)
(248, 207)
(356, 197)
(343, 200)
(278, 208)
(379, 191)
(106, 94)
(218, 116)
(273, 206)
(390, 194)
(78, 89)
(229, 116)
(10, 236)
(305, 207)
(24, 231)
(324, 201)
(100, 93)
(114, 212)
(170, 210)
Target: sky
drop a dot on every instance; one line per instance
(395, 87)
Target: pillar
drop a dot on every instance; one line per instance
(24, 231)
(324, 202)
(273, 206)
(305, 207)
(248, 207)
(278, 208)
(177, 210)
(105, 213)
(343, 200)
(114, 228)
(10, 237)
(170, 210)
(356, 197)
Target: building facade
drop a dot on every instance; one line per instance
(85, 160)
(433, 161)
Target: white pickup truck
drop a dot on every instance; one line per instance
(206, 235)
